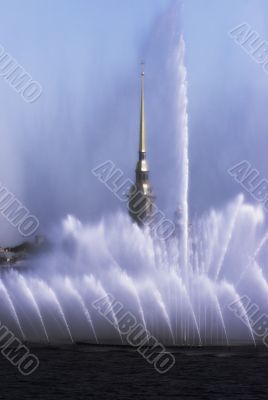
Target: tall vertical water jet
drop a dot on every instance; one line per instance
(183, 185)
(183, 171)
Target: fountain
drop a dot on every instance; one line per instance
(179, 289)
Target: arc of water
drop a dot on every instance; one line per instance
(15, 315)
(252, 260)
(193, 315)
(181, 285)
(160, 302)
(34, 303)
(133, 289)
(262, 277)
(221, 317)
(83, 306)
(142, 316)
(229, 235)
(244, 313)
(212, 241)
(237, 300)
(56, 301)
(103, 293)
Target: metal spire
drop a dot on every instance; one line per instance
(142, 148)
(141, 196)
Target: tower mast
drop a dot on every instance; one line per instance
(141, 195)
(142, 116)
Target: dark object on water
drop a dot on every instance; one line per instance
(11, 256)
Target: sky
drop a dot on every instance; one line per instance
(86, 56)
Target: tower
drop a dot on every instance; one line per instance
(140, 203)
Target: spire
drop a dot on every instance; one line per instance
(140, 196)
(142, 117)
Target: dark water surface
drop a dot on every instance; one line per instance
(83, 372)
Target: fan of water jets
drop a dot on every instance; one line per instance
(178, 289)
(51, 302)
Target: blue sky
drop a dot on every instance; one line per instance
(86, 56)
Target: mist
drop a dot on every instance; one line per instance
(87, 60)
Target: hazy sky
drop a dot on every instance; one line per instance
(86, 56)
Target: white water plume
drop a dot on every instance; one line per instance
(179, 290)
